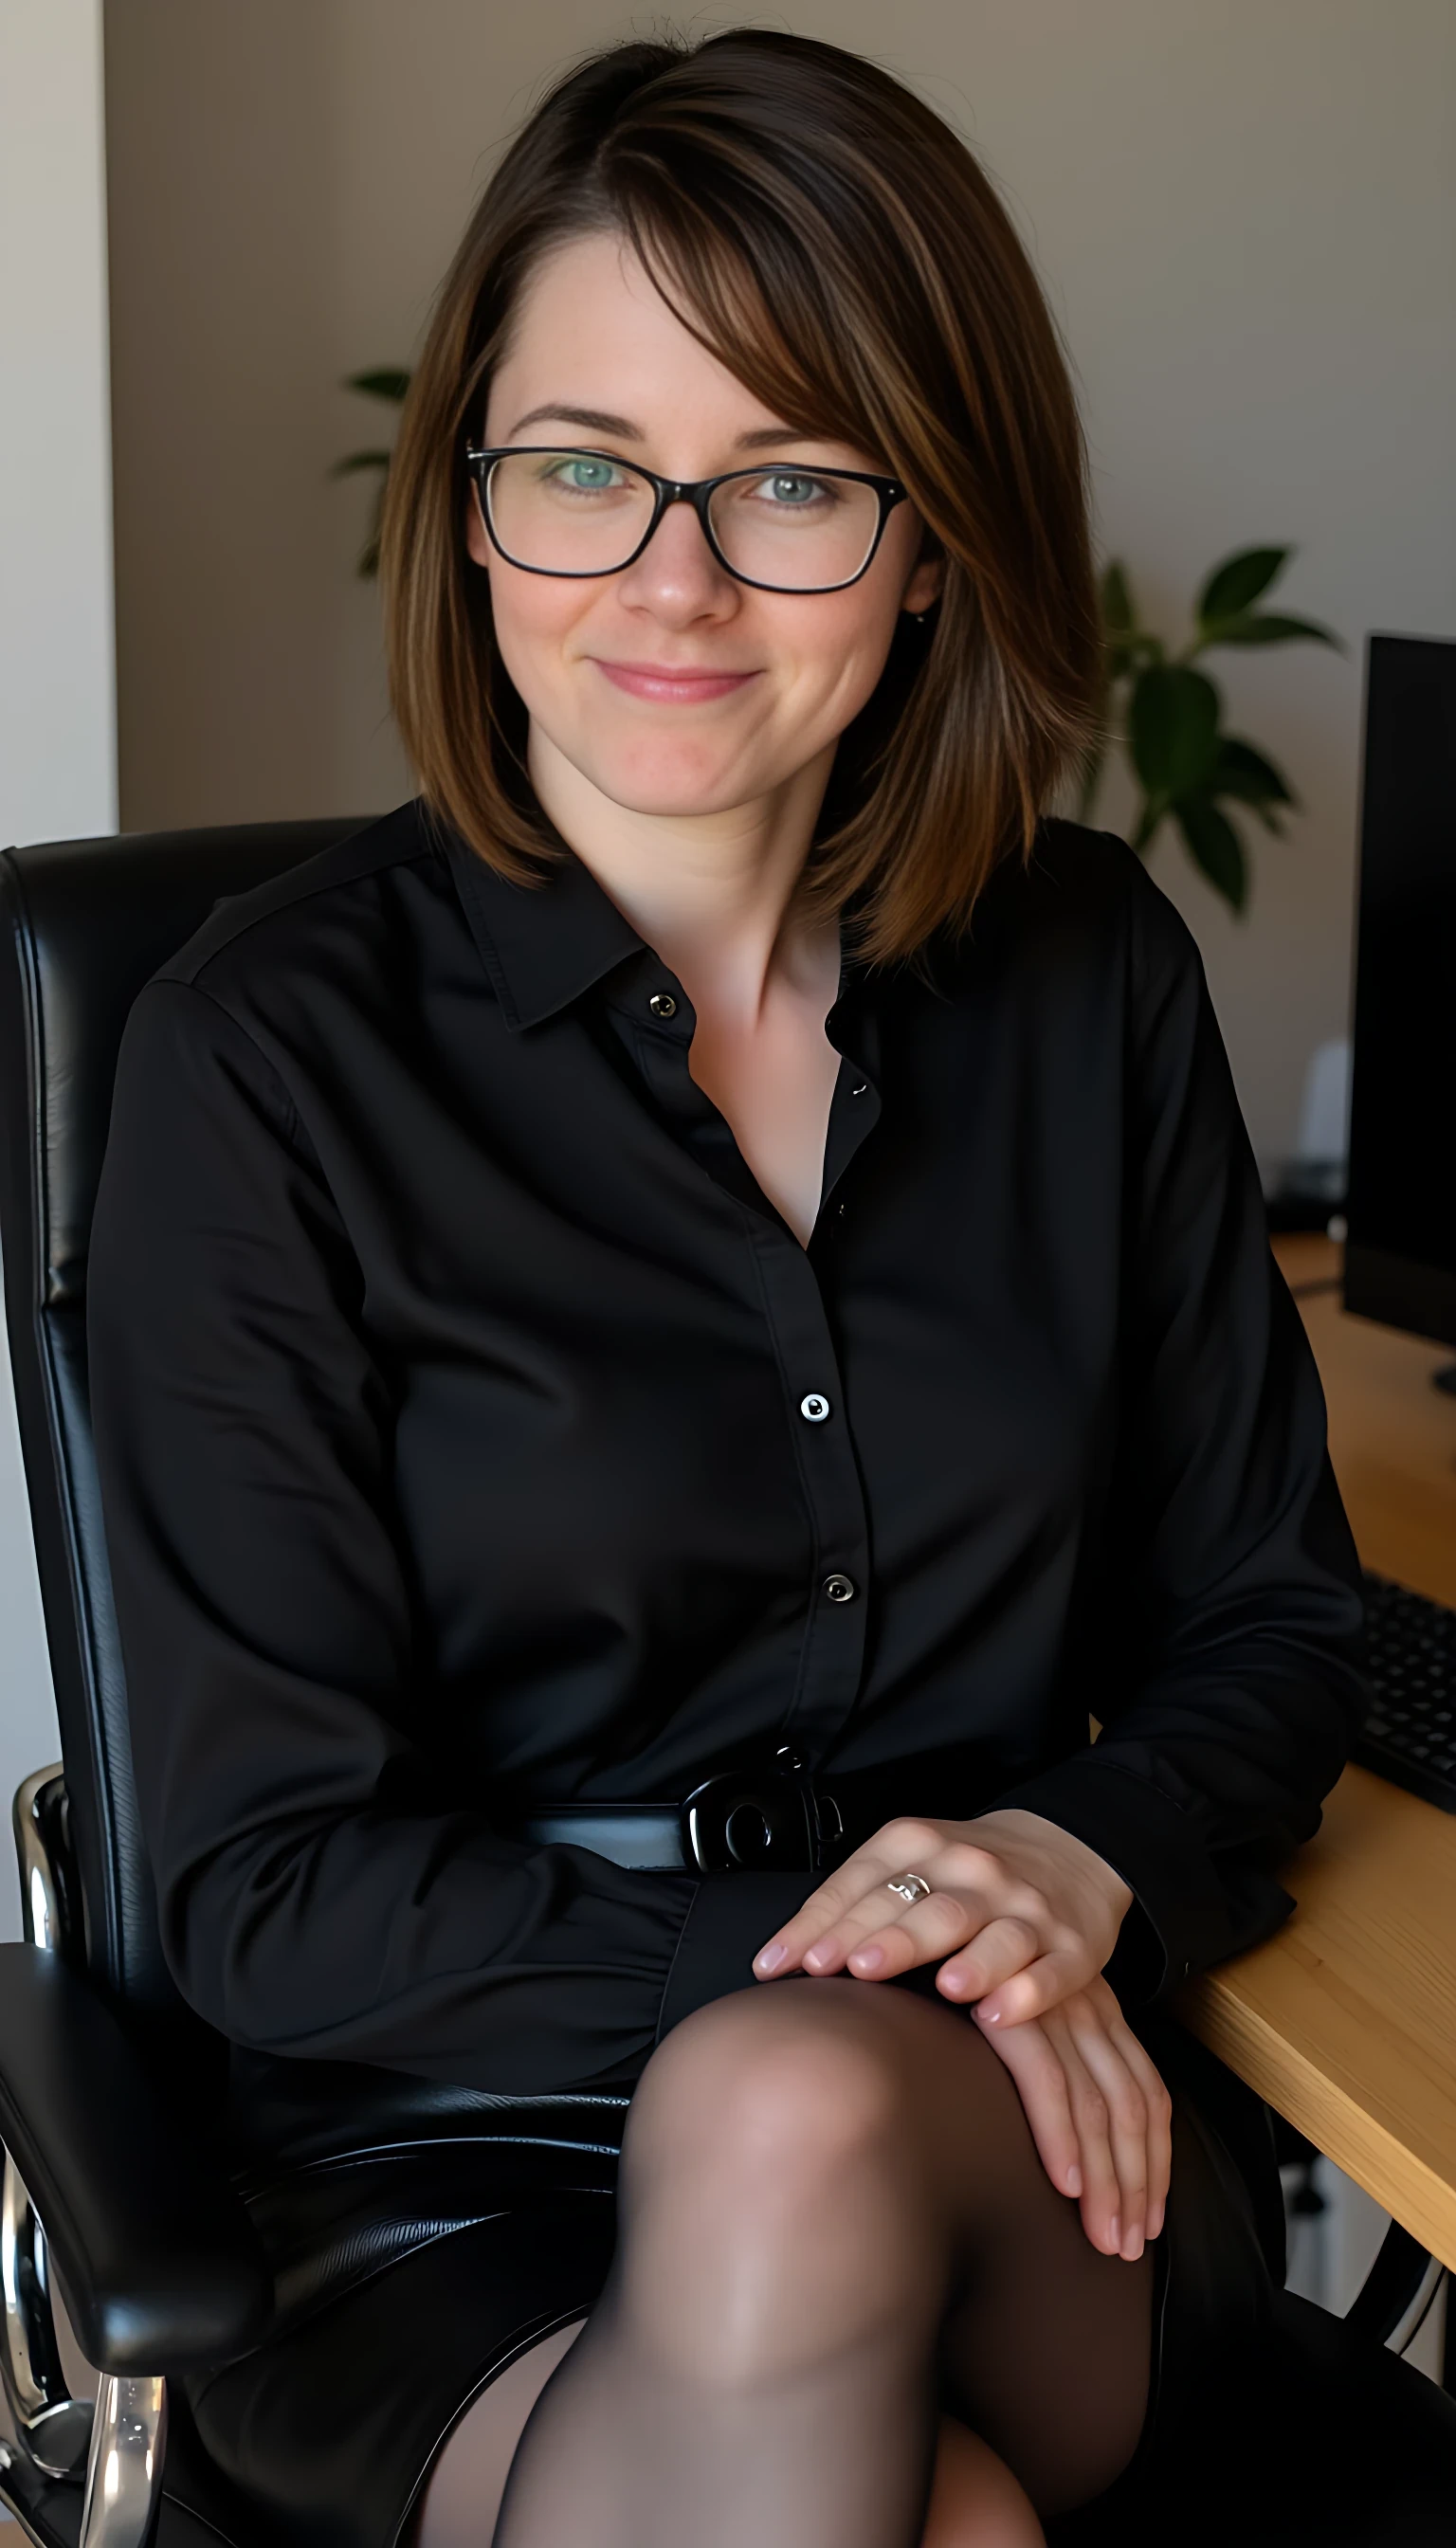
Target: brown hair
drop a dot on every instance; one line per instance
(835, 245)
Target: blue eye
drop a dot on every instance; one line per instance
(791, 488)
(580, 470)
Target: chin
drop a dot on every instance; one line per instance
(670, 783)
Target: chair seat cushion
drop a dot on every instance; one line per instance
(406, 2279)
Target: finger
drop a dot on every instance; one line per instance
(1004, 1946)
(1101, 2217)
(817, 1919)
(969, 1889)
(1040, 2084)
(922, 1934)
(1041, 1984)
(1159, 2114)
(1128, 2118)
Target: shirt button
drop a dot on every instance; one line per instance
(838, 1587)
(813, 1408)
(663, 1004)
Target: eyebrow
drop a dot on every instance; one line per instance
(594, 420)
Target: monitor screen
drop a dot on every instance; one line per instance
(1400, 1252)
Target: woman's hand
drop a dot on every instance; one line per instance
(1025, 1914)
(1099, 2113)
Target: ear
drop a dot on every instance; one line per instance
(477, 537)
(927, 580)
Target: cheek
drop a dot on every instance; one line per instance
(839, 650)
(535, 617)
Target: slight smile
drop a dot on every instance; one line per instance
(672, 686)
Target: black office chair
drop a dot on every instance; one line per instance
(108, 2083)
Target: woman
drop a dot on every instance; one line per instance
(716, 1252)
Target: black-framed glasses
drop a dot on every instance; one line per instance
(782, 529)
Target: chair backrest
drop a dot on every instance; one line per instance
(83, 924)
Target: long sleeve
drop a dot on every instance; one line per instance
(1228, 1616)
(323, 1891)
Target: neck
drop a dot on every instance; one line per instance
(709, 893)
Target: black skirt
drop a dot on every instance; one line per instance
(410, 2274)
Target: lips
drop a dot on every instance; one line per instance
(672, 684)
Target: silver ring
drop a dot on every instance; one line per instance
(911, 1888)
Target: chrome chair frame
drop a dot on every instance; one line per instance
(119, 2441)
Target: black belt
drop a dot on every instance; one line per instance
(769, 1815)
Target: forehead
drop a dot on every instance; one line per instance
(592, 328)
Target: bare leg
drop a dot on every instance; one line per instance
(832, 2222)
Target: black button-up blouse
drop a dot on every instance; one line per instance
(473, 1431)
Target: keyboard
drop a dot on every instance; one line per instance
(1410, 1735)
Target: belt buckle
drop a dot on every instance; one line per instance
(751, 1819)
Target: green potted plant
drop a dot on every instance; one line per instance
(1168, 717)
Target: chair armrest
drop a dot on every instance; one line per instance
(157, 2262)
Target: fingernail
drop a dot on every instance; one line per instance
(768, 1958)
(1114, 2231)
(1133, 2246)
(867, 1959)
(1155, 2223)
(1074, 2181)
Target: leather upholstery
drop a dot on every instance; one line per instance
(83, 924)
(161, 2267)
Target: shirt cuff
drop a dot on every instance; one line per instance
(1179, 1920)
(729, 1919)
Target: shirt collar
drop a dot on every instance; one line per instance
(542, 945)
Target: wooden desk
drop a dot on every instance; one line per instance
(1346, 2021)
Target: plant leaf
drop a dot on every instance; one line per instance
(382, 384)
(1117, 599)
(1173, 729)
(358, 460)
(1266, 628)
(1240, 771)
(1214, 846)
(1238, 581)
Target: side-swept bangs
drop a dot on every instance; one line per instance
(834, 243)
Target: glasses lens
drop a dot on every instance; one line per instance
(568, 512)
(801, 532)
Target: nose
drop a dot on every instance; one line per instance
(678, 577)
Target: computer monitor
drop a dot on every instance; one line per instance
(1401, 1248)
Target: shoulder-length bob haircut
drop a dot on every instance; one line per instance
(834, 243)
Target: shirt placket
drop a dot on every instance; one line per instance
(656, 1020)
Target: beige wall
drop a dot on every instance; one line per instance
(1245, 210)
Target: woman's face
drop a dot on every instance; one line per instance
(670, 686)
